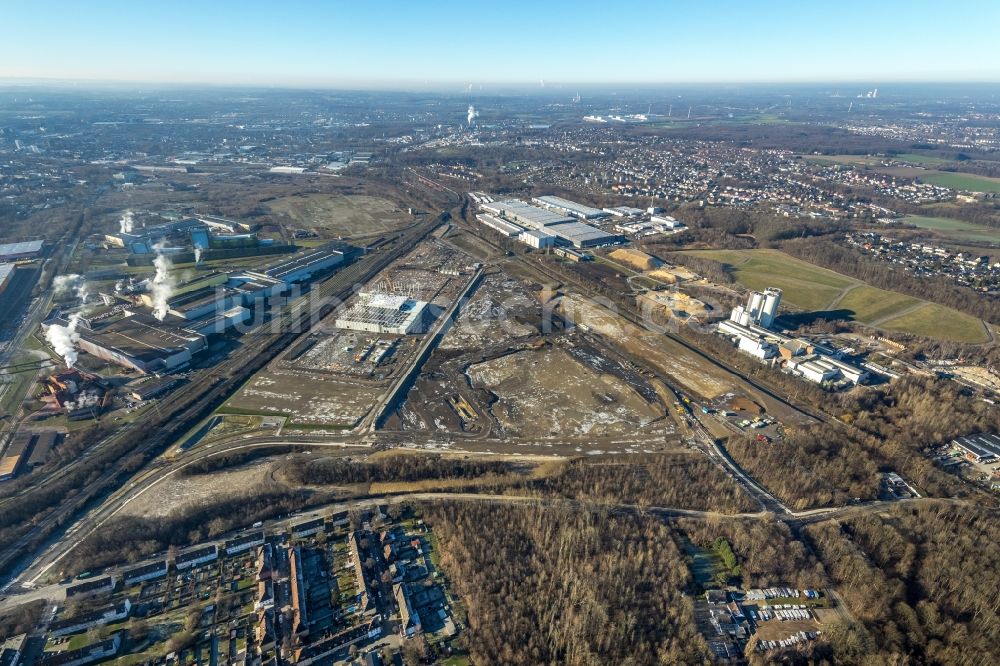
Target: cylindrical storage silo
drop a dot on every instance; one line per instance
(756, 303)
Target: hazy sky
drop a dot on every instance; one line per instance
(390, 42)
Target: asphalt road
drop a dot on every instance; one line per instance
(188, 405)
(25, 591)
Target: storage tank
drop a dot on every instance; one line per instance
(772, 300)
(755, 304)
(744, 319)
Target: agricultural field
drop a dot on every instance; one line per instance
(962, 181)
(858, 160)
(816, 289)
(875, 160)
(927, 160)
(955, 229)
(341, 215)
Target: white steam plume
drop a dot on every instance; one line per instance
(82, 292)
(197, 255)
(126, 224)
(83, 401)
(162, 285)
(472, 114)
(64, 338)
(62, 284)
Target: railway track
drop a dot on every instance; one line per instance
(188, 405)
(626, 310)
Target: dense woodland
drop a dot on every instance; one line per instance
(567, 587)
(542, 586)
(812, 467)
(131, 539)
(21, 619)
(681, 480)
(922, 583)
(402, 467)
(766, 551)
(891, 428)
(885, 428)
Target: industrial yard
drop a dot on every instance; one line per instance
(360, 378)
(350, 359)
(549, 393)
(341, 215)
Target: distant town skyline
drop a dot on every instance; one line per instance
(459, 44)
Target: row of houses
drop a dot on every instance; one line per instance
(188, 559)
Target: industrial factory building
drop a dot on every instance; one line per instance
(625, 211)
(6, 272)
(20, 251)
(142, 239)
(384, 313)
(198, 303)
(565, 229)
(749, 327)
(581, 235)
(137, 341)
(302, 266)
(537, 238)
(225, 224)
(820, 369)
(983, 448)
(761, 309)
(525, 214)
(570, 208)
(222, 322)
(502, 227)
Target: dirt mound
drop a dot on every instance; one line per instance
(635, 259)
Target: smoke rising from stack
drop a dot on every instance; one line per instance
(162, 284)
(64, 338)
(83, 401)
(62, 284)
(127, 223)
(472, 114)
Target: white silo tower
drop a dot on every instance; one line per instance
(772, 301)
(755, 304)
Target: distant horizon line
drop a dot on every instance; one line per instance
(461, 86)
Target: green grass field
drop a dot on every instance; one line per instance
(844, 159)
(956, 229)
(928, 160)
(870, 304)
(962, 181)
(806, 286)
(811, 288)
(936, 321)
(870, 160)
